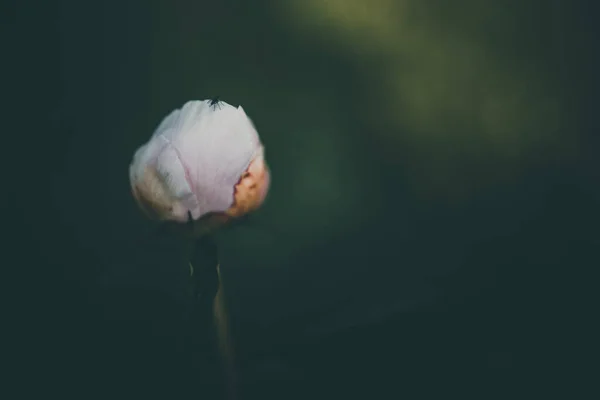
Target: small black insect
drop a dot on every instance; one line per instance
(214, 103)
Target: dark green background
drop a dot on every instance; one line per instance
(433, 216)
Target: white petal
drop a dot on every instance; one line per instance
(200, 151)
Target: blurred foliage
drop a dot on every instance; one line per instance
(450, 81)
(434, 162)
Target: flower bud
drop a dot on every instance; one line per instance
(203, 158)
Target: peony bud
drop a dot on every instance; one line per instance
(202, 159)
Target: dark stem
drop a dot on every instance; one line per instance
(208, 294)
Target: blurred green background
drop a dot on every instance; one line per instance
(434, 164)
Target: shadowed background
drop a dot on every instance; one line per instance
(434, 204)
